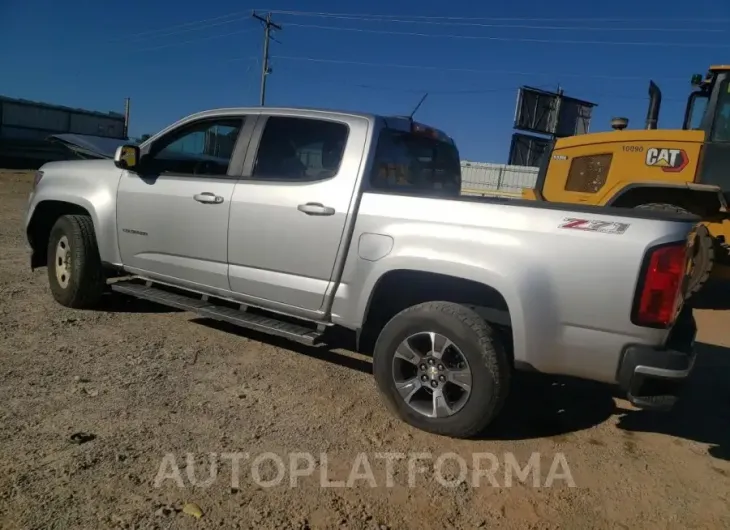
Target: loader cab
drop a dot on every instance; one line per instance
(708, 106)
(708, 110)
(697, 105)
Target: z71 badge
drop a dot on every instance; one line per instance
(604, 227)
(670, 160)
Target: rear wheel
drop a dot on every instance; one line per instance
(703, 258)
(441, 368)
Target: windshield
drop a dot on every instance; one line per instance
(407, 161)
(721, 128)
(696, 107)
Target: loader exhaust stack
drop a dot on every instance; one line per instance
(655, 102)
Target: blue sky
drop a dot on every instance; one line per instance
(470, 57)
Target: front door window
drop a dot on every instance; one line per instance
(201, 148)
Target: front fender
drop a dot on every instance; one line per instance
(95, 193)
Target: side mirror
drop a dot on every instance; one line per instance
(127, 157)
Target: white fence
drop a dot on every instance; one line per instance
(481, 178)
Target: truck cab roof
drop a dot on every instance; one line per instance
(403, 123)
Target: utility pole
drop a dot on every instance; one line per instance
(265, 70)
(126, 118)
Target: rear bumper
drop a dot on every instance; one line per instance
(653, 377)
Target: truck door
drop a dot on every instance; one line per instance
(172, 216)
(290, 209)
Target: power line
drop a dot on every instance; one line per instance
(236, 16)
(470, 70)
(506, 19)
(409, 90)
(517, 39)
(265, 69)
(409, 20)
(187, 24)
(192, 41)
(165, 33)
(468, 91)
(466, 70)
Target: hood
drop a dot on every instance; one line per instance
(660, 136)
(87, 146)
(78, 167)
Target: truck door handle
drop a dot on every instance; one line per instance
(208, 198)
(316, 208)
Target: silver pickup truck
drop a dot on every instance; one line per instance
(298, 222)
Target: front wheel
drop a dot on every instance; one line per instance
(441, 368)
(703, 258)
(75, 273)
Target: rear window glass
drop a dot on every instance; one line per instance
(412, 163)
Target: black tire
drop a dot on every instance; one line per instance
(704, 257)
(84, 282)
(479, 344)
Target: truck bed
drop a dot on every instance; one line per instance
(660, 215)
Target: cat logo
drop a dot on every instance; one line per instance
(670, 160)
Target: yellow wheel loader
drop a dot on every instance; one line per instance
(685, 170)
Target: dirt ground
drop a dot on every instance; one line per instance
(142, 382)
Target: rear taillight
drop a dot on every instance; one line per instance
(660, 293)
(37, 178)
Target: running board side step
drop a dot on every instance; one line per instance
(206, 309)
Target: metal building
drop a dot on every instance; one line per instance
(25, 127)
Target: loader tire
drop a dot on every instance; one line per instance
(704, 256)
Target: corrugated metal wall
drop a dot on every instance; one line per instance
(97, 125)
(481, 178)
(33, 117)
(25, 120)
(25, 126)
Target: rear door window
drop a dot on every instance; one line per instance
(300, 149)
(410, 163)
